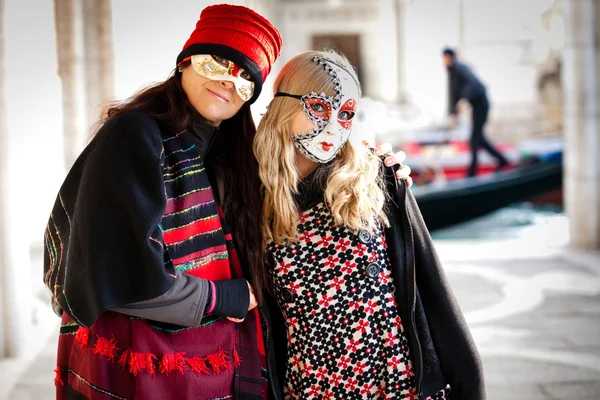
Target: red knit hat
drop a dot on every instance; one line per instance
(238, 34)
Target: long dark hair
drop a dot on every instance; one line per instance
(230, 159)
(166, 102)
(236, 168)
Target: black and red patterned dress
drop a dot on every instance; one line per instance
(337, 296)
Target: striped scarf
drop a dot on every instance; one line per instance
(126, 357)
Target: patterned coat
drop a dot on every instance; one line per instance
(441, 348)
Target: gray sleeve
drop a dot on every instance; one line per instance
(183, 304)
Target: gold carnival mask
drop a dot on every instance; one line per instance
(221, 69)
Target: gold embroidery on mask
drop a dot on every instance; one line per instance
(245, 92)
(211, 68)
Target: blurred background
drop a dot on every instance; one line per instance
(521, 246)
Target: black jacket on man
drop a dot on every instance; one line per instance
(463, 85)
(442, 349)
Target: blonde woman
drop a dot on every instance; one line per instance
(361, 307)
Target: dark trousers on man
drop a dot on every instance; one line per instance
(480, 109)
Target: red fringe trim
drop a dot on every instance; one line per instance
(236, 357)
(219, 361)
(106, 348)
(137, 361)
(82, 336)
(149, 358)
(57, 379)
(170, 362)
(125, 356)
(134, 364)
(198, 365)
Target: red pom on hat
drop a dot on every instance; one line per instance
(238, 34)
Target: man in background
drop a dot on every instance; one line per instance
(464, 87)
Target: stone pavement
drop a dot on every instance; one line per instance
(535, 319)
(534, 312)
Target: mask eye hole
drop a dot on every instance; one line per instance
(221, 61)
(318, 108)
(245, 75)
(346, 115)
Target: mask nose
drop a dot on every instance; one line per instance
(328, 130)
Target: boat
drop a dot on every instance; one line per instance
(447, 160)
(459, 200)
(439, 157)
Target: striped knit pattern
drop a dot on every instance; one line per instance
(115, 355)
(192, 227)
(192, 234)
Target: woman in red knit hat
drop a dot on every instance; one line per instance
(156, 300)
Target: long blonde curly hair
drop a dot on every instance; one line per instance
(354, 188)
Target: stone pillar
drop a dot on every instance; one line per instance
(85, 56)
(266, 8)
(271, 10)
(387, 64)
(15, 278)
(98, 57)
(400, 11)
(461, 28)
(392, 64)
(581, 95)
(3, 189)
(70, 58)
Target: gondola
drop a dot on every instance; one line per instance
(460, 200)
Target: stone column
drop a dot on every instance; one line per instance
(3, 189)
(271, 10)
(15, 279)
(70, 58)
(266, 8)
(400, 11)
(392, 65)
(98, 59)
(461, 28)
(387, 65)
(581, 91)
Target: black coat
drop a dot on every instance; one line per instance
(463, 84)
(442, 349)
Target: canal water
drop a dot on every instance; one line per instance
(539, 224)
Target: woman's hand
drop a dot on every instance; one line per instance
(393, 159)
(251, 305)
